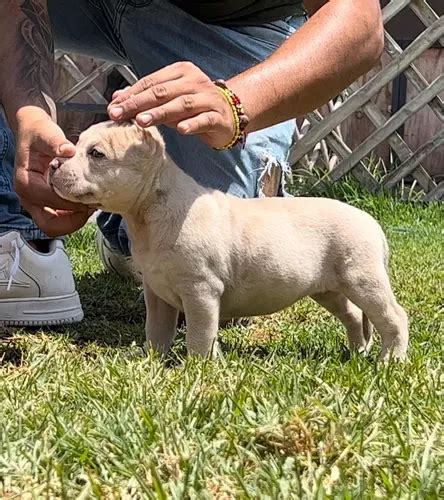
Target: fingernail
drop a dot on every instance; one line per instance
(116, 112)
(185, 129)
(145, 119)
(50, 211)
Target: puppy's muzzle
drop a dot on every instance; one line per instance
(55, 164)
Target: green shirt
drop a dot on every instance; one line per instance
(240, 11)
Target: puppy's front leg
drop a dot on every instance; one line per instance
(161, 322)
(202, 317)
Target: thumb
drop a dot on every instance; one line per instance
(52, 142)
(66, 150)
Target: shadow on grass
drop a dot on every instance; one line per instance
(114, 312)
(283, 348)
(115, 317)
(10, 352)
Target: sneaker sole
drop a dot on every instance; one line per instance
(46, 311)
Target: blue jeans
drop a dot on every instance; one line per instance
(148, 35)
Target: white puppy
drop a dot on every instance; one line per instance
(214, 256)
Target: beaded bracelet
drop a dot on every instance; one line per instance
(241, 120)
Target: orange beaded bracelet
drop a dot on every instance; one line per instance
(241, 120)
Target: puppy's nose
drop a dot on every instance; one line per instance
(55, 164)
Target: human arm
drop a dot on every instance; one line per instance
(26, 76)
(341, 40)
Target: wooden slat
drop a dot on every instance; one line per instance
(355, 101)
(392, 124)
(411, 163)
(128, 74)
(426, 14)
(400, 147)
(435, 194)
(396, 142)
(393, 8)
(338, 146)
(75, 72)
(86, 82)
(417, 79)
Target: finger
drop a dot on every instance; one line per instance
(166, 74)
(51, 141)
(180, 108)
(63, 213)
(151, 98)
(60, 225)
(210, 121)
(119, 91)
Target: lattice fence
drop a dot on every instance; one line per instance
(86, 83)
(322, 132)
(320, 135)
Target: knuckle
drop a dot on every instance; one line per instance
(160, 91)
(146, 83)
(211, 121)
(131, 104)
(188, 103)
(161, 115)
(204, 80)
(174, 66)
(187, 66)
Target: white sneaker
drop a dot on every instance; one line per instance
(115, 262)
(36, 289)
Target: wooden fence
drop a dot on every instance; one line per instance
(325, 127)
(320, 135)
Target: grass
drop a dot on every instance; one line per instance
(286, 413)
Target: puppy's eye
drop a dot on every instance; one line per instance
(95, 153)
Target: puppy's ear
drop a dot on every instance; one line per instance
(150, 136)
(144, 133)
(133, 121)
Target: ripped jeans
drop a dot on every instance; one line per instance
(148, 35)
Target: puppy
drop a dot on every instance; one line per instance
(214, 256)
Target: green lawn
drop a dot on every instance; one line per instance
(285, 414)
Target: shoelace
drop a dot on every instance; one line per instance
(15, 264)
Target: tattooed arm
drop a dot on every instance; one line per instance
(26, 57)
(26, 78)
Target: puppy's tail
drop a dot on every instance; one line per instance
(367, 330)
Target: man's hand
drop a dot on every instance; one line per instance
(180, 96)
(39, 140)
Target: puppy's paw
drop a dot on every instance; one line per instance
(394, 355)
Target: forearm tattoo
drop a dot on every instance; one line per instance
(36, 45)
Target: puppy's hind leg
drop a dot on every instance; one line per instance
(161, 322)
(359, 330)
(374, 295)
(202, 317)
